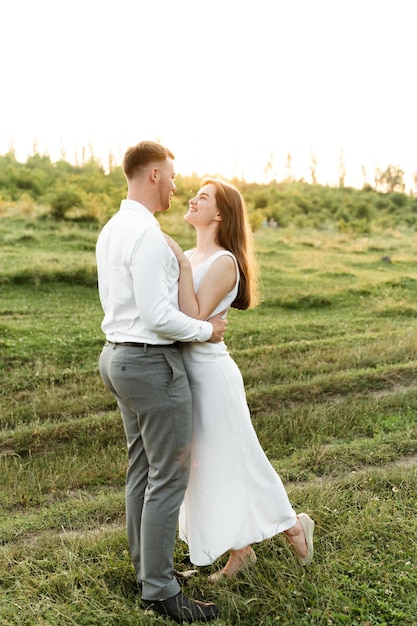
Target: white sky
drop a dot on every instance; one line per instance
(224, 84)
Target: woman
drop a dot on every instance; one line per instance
(234, 496)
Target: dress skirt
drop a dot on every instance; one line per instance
(234, 496)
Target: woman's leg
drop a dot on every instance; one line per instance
(238, 559)
(300, 538)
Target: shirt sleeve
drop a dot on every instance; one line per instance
(154, 271)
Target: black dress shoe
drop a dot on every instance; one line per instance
(183, 609)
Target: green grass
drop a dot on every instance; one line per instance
(330, 365)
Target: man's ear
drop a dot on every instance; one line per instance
(154, 174)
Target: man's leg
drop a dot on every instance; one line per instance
(136, 482)
(154, 396)
(166, 431)
(137, 472)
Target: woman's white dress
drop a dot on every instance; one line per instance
(234, 496)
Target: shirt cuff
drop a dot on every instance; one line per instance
(205, 331)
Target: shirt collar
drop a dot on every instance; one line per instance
(133, 205)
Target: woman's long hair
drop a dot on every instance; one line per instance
(235, 234)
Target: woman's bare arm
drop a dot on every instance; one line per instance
(217, 282)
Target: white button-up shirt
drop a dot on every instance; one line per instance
(138, 282)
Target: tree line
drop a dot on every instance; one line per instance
(86, 192)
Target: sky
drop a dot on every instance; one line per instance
(232, 87)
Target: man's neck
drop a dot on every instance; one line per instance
(139, 195)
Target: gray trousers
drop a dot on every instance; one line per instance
(152, 391)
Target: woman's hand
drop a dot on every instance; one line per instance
(187, 299)
(177, 250)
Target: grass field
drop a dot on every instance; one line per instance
(330, 365)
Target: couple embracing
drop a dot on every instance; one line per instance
(193, 454)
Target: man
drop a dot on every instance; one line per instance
(141, 364)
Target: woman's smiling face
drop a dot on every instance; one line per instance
(203, 207)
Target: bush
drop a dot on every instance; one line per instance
(62, 201)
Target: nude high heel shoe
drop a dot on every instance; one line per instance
(308, 526)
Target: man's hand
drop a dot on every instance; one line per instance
(219, 327)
